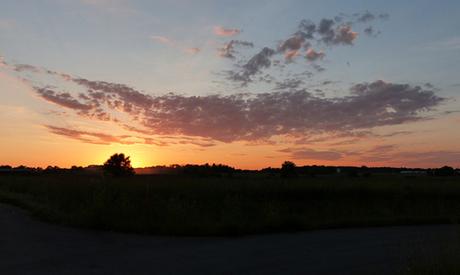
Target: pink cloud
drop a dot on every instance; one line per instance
(290, 54)
(221, 31)
(313, 55)
(192, 50)
(161, 39)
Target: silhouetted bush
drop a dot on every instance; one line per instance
(118, 165)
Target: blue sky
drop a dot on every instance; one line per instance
(111, 39)
(159, 47)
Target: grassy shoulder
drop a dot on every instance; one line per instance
(179, 205)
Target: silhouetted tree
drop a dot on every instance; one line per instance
(118, 165)
(444, 171)
(288, 169)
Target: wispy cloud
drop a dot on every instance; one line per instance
(452, 43)
(192, 50)
(228, 49)
(221, 31)
(161, 39)
(174, 44)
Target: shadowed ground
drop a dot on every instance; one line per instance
(32, 247)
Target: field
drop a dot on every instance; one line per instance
(246, 204)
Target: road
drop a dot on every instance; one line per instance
(28, 246)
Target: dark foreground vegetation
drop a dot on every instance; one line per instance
(235, 203)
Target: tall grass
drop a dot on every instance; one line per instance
(178, 205)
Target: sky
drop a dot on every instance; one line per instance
(245, 83)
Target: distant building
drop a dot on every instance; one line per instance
(413, 172)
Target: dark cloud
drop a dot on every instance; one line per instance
(293, 43)
(259, 116)
(26, 67)
(369, 31)
(365, 17)
(228, 50)
(289, 84)
(258, 62)
(318, 68)
(326, 31)
(307, 29)
(62, 99)
(332, 34)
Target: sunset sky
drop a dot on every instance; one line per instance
(245, 83)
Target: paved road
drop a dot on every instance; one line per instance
(28, 246)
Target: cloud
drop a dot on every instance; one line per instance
(228, 50)
(382, 148)
(326, 31)
(371, 32)
(106, 139)
(161, 39)
(62, 99)
(311, 154)
(289, 84)
(292, 44)
(289, 111)
(252, 117)
(307, 29)
(365, 17)
(175, 44)
(26, 67)
(254, 66)
(333, 32)
(290, 55)
(192, 50)
(344, 35)
(221, 31)
(89, 137)
(336, 35)
(313, 55)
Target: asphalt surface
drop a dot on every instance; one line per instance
(28, 246)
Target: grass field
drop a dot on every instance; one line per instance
(179, 205)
